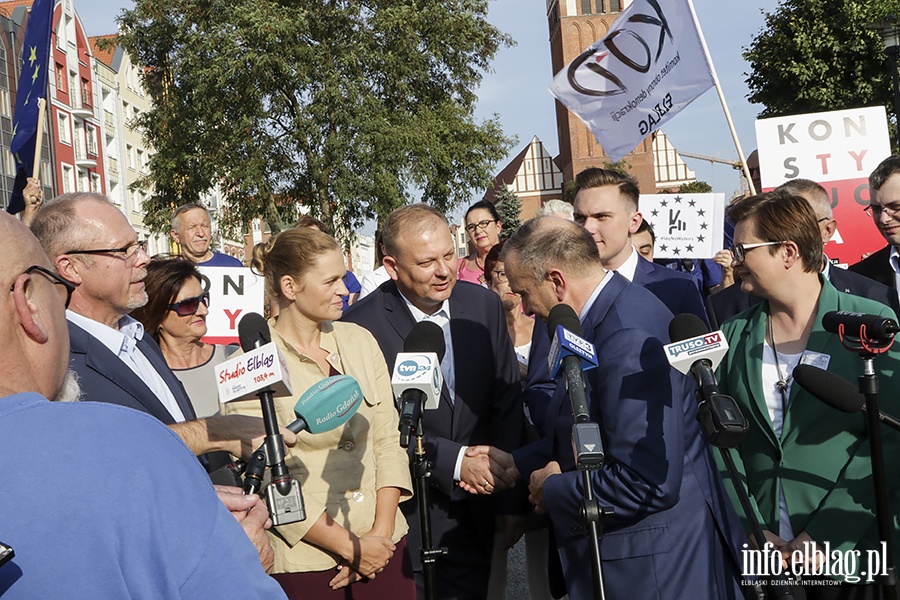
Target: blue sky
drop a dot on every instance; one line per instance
(517, 89)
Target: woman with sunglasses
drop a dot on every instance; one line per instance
(806, 465)
(483, 227)
(351, 545)
(175, 316)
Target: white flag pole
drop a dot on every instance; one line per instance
(737, 143)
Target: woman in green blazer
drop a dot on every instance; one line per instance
(806, 465)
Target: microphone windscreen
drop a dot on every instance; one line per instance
(253, 331)
(329, 403)
(686, 326)
(563, 314)
(426, 336)
(831, 389)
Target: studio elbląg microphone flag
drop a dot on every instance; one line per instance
(651, 64)
(32, 86)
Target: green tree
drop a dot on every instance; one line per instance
(349, 108)
(695, 187)
(817, 55)
(510, 208)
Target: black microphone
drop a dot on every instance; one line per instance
(425, 337)
(564, 315)
(837, 392)
(253, 332)
(860, 325)
(720, 415)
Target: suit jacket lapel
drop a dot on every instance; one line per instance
(753, 339)
(174, 384)
(99, 358)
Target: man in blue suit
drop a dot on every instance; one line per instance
(606, 204)
(93, 246)
(673, 533)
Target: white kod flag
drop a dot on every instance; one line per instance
(652, 64)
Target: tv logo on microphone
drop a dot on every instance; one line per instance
(692, 346)
(711, 346)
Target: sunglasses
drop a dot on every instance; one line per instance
(189, 306)
(739, 251)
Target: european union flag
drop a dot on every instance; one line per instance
(32, 87)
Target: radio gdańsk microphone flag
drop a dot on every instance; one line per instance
(651, 64)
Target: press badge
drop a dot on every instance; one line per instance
(815, 359)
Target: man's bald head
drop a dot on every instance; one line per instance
(32, 316)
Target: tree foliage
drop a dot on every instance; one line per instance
(817, 55)
(695, 187)
(510, 208)
(349, 107)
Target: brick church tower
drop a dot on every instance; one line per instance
(575, 25)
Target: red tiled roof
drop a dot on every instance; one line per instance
(7, 8)
(104, 56)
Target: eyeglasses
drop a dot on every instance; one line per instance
(739, 251)
(190, 306)
(875, 210)
(67, 288)
(499, 275)
(130, 251)
(480, 225)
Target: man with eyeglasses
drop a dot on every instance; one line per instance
(884, 207)
(733, 299)
(106, 503)
(192, 230)
(93, 247)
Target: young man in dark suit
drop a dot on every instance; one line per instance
(480, 418)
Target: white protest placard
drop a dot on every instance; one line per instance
(685, 225)
(838, 150)
(233, 291)
(826, 146)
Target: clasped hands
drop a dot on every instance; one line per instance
(487, 470)
(371, 555)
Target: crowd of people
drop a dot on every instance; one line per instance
(107, 357)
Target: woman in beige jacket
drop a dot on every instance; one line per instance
(353, 477)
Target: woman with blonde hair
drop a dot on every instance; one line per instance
(353, 477)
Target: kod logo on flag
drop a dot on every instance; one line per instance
(651, 64)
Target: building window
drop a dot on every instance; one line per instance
(95, 184)
(60, 78)
(67, 181)
(142, 161)
(4, 103)
(615, 5)
(46, 173)
(91, 133)
(129, 156)
(586, 8)
(600, 9)
(86, 94)
(65, 132)
(10, 163)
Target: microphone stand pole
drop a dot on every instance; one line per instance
(868, 386)
(589, 458)
(724, 427)
(421, 474)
